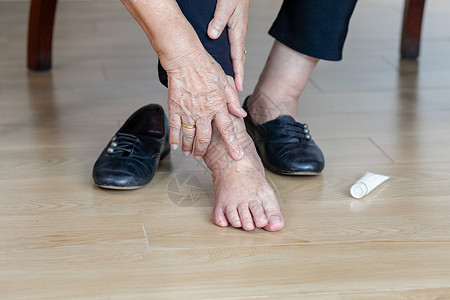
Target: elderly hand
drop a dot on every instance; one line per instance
(199, 93)
(234, 15)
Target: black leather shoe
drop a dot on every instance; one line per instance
(131, 158)
(285, 146)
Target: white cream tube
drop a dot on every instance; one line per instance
(366, 184)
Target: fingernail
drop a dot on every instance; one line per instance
(175, 146)
(249, 225)
(243, 112)
(214, 33)
(186, 153)
(274, 219)
(239, 153)
(197, 157)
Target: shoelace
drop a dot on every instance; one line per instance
(121, 144)
(294, 130)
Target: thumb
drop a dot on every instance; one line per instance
(222, 15)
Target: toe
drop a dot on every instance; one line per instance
(259, 217)
(276, 221)
(246, 217)
(233, 216)
(271, 209)
(218, 218)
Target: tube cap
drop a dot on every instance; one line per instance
(359, 190)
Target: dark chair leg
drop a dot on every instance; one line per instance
(412, 26)
(40, 33)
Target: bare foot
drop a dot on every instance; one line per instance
(243, 196)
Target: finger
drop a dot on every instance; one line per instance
(238, 68)
(233, 104)
(222, 15)
(188, 137)
(237, 49)
(225, 125)
(175, 127)
(203, 137)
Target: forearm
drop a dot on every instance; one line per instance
(170, 34)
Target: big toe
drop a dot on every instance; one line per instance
(276, 221)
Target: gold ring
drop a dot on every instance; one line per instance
(187, 126)
(245, 51)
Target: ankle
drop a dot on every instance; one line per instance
(217, 158)
(263, 108)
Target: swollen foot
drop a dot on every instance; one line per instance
(243, 196)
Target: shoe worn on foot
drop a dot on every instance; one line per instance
(285, 146)
(131, 158)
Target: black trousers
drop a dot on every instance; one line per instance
(317, 28)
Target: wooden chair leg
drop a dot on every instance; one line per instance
(412, 26)
(40, 33)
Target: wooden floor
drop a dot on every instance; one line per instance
(62, 238)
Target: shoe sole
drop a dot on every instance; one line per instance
(297, 173)
(293, 173)
(124, 188)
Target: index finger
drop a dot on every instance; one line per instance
(237, 50)
(225, 125)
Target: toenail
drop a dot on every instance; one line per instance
(274, 219)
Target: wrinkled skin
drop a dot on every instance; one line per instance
(234, 15)
(200, 93)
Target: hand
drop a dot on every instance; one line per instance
(200, 93)
(234, 15)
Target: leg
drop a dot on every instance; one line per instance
(282, 81)
(40, 32)
(243, 197)
(305, 31)
(412, 26)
